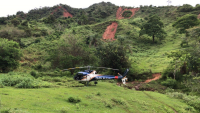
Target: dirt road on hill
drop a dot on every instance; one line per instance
(110, 31)
(156, 77)
(120, 12)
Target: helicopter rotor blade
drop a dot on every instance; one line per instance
(115, 69)
(79, 67)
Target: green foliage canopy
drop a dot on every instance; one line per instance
(113, 55)
(10, 53)
(185, 8)
(185, 22)
(153, 27)
(71, 52)
(15, 21)
(127, 14)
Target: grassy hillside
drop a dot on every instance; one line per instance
(92, 99)
(50, 42)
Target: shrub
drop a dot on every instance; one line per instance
(98, 94)
(15, 21)
(169, 83)
(25, 83)
(197, 7)
(11, 33)
(74, 100)
(18, 81)
(127, 14)
(168, 72)
(119, 101)
(1, 84)
(33, 73)
(193, 101)
(10, 53)
(108, 104)
(185, 8)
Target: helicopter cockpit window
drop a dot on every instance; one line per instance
(79, 76)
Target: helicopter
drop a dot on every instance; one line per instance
(91, 75)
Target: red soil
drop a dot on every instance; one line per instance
(156, 77)
(198, 16)
(65, 13)
(120, 12)
(110, 31)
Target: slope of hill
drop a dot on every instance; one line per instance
(49, 44)
(92, 99)
(65, 12)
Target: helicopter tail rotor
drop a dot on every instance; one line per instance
(124, 79)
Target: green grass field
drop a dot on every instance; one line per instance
(103, 98)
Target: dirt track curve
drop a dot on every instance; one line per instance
(156, 77)
(110, 31)
(120, 12)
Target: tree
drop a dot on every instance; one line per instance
(153, 27)
(50, 19)
(70, 53)
(15, 21)
(185, 8)
(3, 21)
(9, 55)
(185, 22)
(113, 55)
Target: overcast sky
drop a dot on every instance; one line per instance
(10, 7)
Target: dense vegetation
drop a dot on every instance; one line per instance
(36, 46)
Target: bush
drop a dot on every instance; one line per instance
(185, 8)
(12, 33)
(169, 83)
(168, 72)
(98, 94)
(193, 101)
(25, 83)
(197, 7)
(15, 21)
(74, 100)
(1, 84)
(127, 14)
(10, 53)
(33, 73)
(119, 101)
(108, 104)
(18, 81)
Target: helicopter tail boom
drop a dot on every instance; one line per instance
(125, 73)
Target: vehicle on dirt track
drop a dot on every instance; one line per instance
(91, 75)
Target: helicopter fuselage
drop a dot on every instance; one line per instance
(85, 76)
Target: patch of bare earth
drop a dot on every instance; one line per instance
(156, 77)
(110, 31)
(121, 10)
(198, 16)
(65, 13)
(136, 85)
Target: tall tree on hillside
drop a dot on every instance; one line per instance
(153, 27)
(113, 55)
(185, 22)
(10, 55)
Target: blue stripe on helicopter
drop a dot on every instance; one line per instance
(108, 77)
